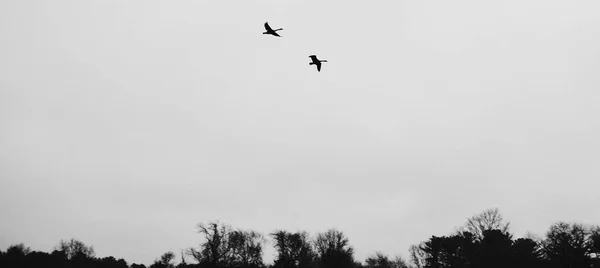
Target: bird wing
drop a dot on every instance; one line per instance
(314, 59)
(318, 66)
(268, 27)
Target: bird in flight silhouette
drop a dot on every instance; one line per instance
(271, 31)
(316, 61)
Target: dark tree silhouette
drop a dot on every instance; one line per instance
(165, 261)
(526, 253)
(77, 252)
(570, 245)
(18, 250)
(400, 262)
(74, 248)
(432, 251)
(111, 262)
(488, 244)
(82, 256)
(449, 251)
(489, 219)
(246, 249)
(334, 250)
(294, 250)
(225, 247)
(417, 255)
(15, 256)
(213, 252)
(594, 240)
(495, 249)
(380, 260)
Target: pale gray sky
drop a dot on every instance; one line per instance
(126, 123)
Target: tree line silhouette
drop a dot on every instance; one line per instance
(483, 242)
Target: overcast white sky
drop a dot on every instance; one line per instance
(126, 123)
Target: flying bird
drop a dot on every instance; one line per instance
(271, 31)
(316, 61)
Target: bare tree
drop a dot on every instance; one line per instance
(75, 248)
(334, 250)
(490, 219)
(183, 261)
(165, 261)
(399, 262)
(379, 260)
(216, 247)
(332, 240)
(293, 249)
(246, 248)
(417, 255)
(226, 247)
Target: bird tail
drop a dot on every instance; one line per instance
(278, 29)
(324, 61)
